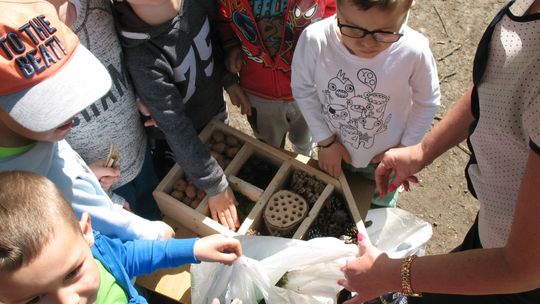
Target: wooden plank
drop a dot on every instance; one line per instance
(306, 223)
(249, 190)
(188, 217)
(239, 159)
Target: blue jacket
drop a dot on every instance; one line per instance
(130, 259)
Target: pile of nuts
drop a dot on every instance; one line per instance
(223, 147)
(186, 192)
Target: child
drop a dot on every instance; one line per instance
(497, 262)
(46, 78)
(365, 83)
(114, 118)
(47, 256)
(170, 56)
(260, 37)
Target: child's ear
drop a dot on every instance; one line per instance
(86, 228)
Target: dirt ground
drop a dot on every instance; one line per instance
(454, 28)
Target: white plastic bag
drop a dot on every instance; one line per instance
(312, 268)
(397, 232)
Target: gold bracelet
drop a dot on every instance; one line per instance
(406, 288)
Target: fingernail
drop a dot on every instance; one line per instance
(360, 236)
(392, 188)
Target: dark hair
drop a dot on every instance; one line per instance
(383, 4)
(32, 213)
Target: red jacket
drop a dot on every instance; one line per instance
(262, 75)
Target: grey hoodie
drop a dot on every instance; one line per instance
(177, 74)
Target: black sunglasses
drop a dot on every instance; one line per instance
(359, 32)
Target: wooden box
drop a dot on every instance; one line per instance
(275, 170)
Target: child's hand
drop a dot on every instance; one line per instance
(150, 122)
(330, 159)
(239, 98)
(217, 248)
(167, 231)
(234, 60)
(223, 209)
(106, 176)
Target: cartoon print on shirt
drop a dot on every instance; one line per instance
(339, 90)
(368, 79)
(244, 23)
(303, 12)
(355, 109)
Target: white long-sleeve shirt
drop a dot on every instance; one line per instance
(371, 104)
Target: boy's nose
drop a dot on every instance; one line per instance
(368, 41)
(67, 296)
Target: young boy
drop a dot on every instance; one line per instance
(169, 52)
(46, 78)
(259, 38)
(46, 256)
(365, 82)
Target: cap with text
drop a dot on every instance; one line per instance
(46, 75)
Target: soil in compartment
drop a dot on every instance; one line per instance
(257, 171)
(334, 220)
(244, 206)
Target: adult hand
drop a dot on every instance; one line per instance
(217, 248)
(223, 209)
(404, 163)
(239, 98)
(234, 60)
(330, 159)
(363, 274)
(150, 122)
(167, 231)
(106, 176)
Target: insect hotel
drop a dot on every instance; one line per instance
(278, 194)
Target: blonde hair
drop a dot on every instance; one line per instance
(32, 213)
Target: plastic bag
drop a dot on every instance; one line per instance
(311, 267)
(397, 232)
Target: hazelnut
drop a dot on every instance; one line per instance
(219, 147)
(191, 191)
(180, 185)
(179, 195)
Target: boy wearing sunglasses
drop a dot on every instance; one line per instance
(365, 82)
